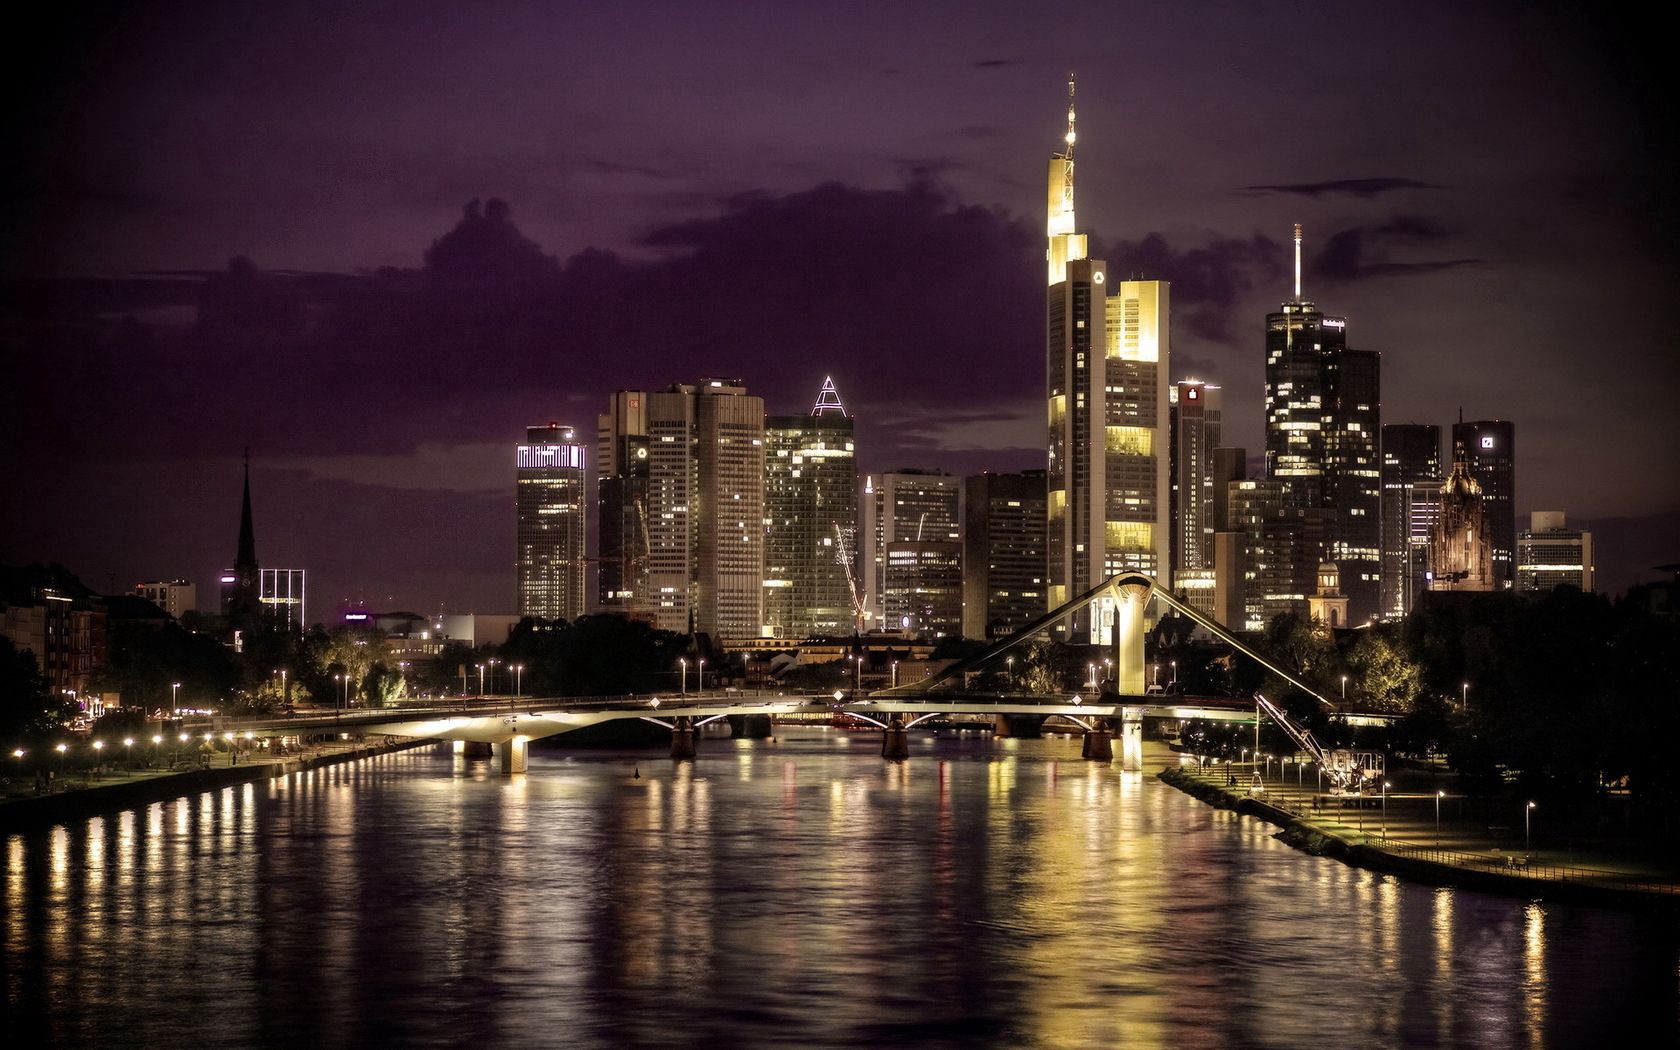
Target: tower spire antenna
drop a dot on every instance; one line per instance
(1071, 136)
(1297, 262)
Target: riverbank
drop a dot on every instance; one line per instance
(1325, 832)
(80, 803)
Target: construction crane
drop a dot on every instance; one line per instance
(843, 554)
(1350, 772)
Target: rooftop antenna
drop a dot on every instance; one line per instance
(1070, 134)
(1297, 262)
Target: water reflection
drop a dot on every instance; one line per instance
(767, 894)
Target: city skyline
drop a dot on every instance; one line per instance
(1435, 275)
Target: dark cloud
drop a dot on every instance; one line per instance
(1363, 251)
(1362, 188)
(993, 63)
(1208, 282)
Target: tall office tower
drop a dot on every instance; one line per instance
(1107, 344)
(1194, 413)
(1278, 556)
(911, 529)
(1003, 553)
(172, 596)
(1411, 503)
(550, 502)
(682, 508)
(241, 594)
(281, 593)
(1490, 447)
(1323, 407)
(1460, 552)
(1229, 464)
(810, 510)
(1551, 555)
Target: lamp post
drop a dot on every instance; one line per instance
(493, 663)
(1438, 796)
(857, 676)
(1108, 669)
(1090, 676)
(1010, 665)
(1174, 673)
(1464, 697)
(128, 753)
(700, 676)
(174, 699)
(683, 660)
(1528, 813)
(895, 674)
(1385, 787)
(98, 752)
(157, 746)
(480, 680)
(1344, 689)
(518, 679)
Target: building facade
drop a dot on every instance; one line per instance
(911, 522)
(682, 508)
(810, 512)
(1490, 450)
(1411, 505)
(1107, 349)
(1195, 410)
(551, 510)
(1550, 554)
(172, 596)
(1323, 428)
(1003, 553)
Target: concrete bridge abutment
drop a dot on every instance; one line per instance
(683, 737)
(514, 755)
(1131, 741)
(1098, 745)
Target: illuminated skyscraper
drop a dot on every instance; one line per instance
(1107, 349)
(550, 503)
(1323, 407)
(1411, 503)
(1490, 451)
(810, 510)
(682, 508)
(1196, 409)
(1003, 553)
(911, 541)
(172, 596)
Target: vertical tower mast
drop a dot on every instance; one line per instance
(1297, 262)
(1065, 245)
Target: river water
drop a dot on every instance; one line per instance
(796, 891)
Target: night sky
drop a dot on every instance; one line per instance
(229, 227)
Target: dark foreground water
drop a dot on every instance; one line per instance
(797, 892)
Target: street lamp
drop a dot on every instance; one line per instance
(1010, 665)
(493, 663)
(1091, 675)
(857, 675)
(1108, 668)
(98, 750)
(1438, 796)
(895, 674)
(1528, 814)
(683, 660)
(1385, 786)
(128, 756)
(518, 679)
(1344, 688)
(700, 675)
(1464, 697)
(480, 680)
(174, 699)
(1174, 672)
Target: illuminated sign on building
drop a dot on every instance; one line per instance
(1487, 440)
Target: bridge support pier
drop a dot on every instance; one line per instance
(1131, 741)
(895, 740)
(472, 749)
(1098, 746)
(514, 754)
(683, 735)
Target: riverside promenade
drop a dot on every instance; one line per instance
(81, 795)
(1430, 835)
